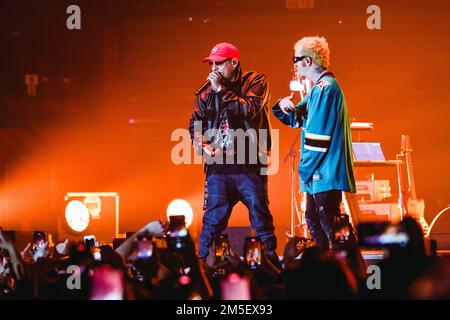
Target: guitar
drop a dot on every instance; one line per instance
(414, 207)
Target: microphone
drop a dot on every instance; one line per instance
(203, 87)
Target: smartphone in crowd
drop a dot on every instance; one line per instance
(91, 244)
(90, 241)
(221, 246)
(39, 240)
(342, 230)
(177, 226)
(381, 234)
(253, 252)
(177, 233)
(145, 248)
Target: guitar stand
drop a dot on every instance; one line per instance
(301, 226)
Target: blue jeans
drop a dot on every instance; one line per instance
(223, 192)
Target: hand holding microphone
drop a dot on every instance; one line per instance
(214, 79)
(286, 104)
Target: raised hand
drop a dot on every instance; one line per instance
(286, 104)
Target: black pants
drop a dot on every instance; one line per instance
(321, 210)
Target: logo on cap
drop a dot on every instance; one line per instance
(214, 50)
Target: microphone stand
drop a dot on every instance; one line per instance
(303, 88)
(291, 156)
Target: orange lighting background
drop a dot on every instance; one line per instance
(141, 60)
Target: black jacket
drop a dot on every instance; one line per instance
(246, 102)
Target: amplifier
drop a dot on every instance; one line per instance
(370, 212)
(373, 190)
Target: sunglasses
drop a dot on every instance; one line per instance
(297, 59)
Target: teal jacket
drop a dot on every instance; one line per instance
(326, 150)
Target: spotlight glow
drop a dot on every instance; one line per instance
(180, 207)
(77, 216)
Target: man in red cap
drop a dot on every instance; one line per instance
(232, 109)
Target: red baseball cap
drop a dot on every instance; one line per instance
(223, 51)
